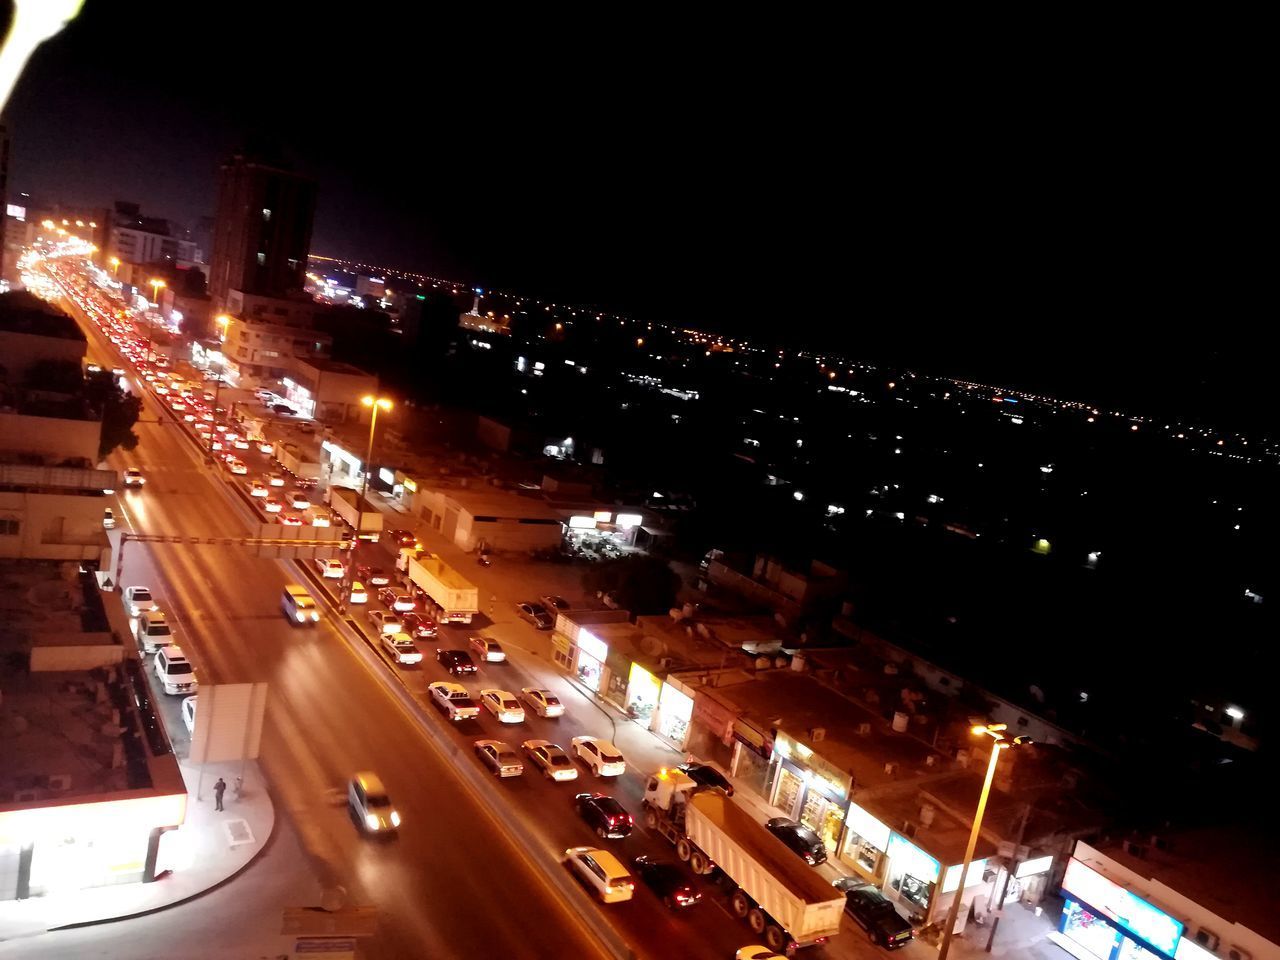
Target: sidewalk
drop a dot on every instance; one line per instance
(207, 850)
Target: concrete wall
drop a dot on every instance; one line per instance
(53, 437)
(75, 658)
(53, 526)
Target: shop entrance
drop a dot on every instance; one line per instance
(787, 795)
(823, 817)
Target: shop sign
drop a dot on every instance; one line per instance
(603, 516)
(910, 859)
(592, 645)
(1126, 910)
(1030, 868)
(410, 485)
(871, 830)
(582, 523)
(751, 738)
(628, 520)
(952, 880)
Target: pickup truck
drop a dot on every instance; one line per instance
(453, 700)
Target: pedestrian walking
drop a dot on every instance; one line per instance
(219, 789)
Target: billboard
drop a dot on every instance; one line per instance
(1126, 910)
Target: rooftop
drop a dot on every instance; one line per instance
(495, 502)
(22, 312)
(72, 732)
(334, 366)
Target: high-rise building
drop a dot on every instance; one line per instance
(262, 231)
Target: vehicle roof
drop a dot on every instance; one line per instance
(370, 782)
(297, 590)
(607, 862)
(153, 614)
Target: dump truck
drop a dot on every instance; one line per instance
(355, 509)
(453, 598)
(782, 899)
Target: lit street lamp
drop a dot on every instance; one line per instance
(996, 732)
(375, 404)
(115, 266)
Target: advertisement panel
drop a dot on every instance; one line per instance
(1126, 910)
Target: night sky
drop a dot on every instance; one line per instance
(1073, 216)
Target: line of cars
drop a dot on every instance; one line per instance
(154, 633)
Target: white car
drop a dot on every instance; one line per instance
(602, 872)
(402, 648)
(331, 569)
(275, 480)
(174, 671)
(385, 622)
(604, 759)
(550, 759)
(502, 705)
(499, 757)
(133, 477)
(487, 650)
(298, 500)
(241, 443)
(237, 467)
(189, 712)
(258, 489)
(544, 702)
(138, 600)
(453, 700)
(265, 447)
(358, 593)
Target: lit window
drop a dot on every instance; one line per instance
(266, 215)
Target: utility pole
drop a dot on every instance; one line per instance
(1004, 891)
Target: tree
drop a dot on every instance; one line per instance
(118, 410)
(640, 583)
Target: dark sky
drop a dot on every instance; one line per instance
(1009, 205)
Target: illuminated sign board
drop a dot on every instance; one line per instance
(1029, 868)
(952, 878)
(1126, 910)
(603, 516)
(582, 523)
(410, 485)
(592, 645)
(386, 476)
(871, 830)
(629, 519)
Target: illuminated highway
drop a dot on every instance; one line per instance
(455, 882)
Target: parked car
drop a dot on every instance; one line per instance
(499, 757)
(535, 614)
(875, 913)
(550, 759)
(668, 881)
(189, 712)
(554, 604)
(456, 662)
(799, 839)
(138, 600)
(604, 759)
(706, 775)
(605, 815)
(174, 671)
(602, 872)
(544, 702)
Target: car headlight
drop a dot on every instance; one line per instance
(315, 617)
(371, 821)
(395, 818)
(301, 617)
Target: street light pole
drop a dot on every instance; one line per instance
(375, 404)
(996, 732)
(156, 287)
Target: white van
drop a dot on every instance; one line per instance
(299, 606)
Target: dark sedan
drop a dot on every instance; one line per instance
(457, 662)
(605, 815)
(668, 881)
(800, 839)
(875, 913)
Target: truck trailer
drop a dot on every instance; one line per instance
(353, 509)
(781, 898)
(454, 599)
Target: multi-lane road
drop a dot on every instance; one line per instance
(457, 881)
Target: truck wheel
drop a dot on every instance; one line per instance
(740, 904)
(684, 849)
(756, 920)
(699, 862)
(650, 818)
(774, 938)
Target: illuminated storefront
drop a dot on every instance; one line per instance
(912, 874)
(808, 789)
(300, 397)
(643, 690)
(1112, 923)
(865, 841)
(592, 653)
(675, 711)
(80, 845)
